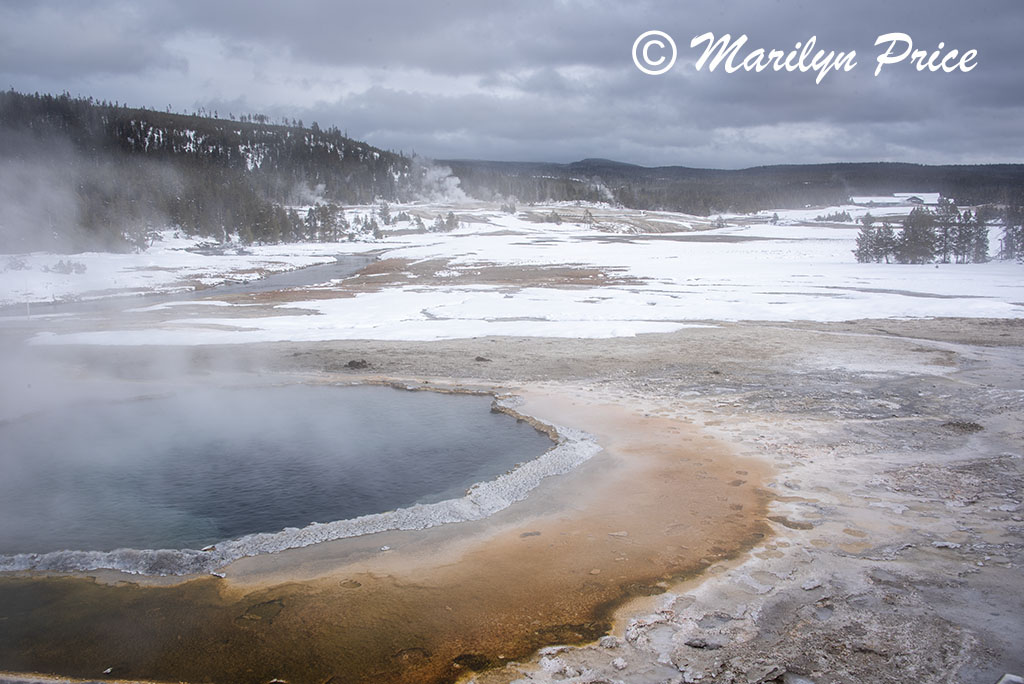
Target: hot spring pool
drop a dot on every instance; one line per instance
(204, 466)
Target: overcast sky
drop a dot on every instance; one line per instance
(546, 81)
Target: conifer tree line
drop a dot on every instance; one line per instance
(945, 235)
(126, 171)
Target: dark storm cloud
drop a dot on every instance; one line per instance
(545, 80)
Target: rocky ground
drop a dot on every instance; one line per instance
(896, 452)
(897, 512)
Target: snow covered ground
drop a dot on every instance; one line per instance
(458, 284)
(167, 266)
(891, 209)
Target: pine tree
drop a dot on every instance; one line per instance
(374, 229)
(885, 243)
(874, 244)
(1012, 243)
(328, 222)
(295, 226)
(947, 220)
(384, 211)
(979, 241)
(866, 245)
(343, 224)
(916, 242)
(245, 235)
(312, 227)
(963, 238)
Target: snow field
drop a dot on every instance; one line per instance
(656, 283)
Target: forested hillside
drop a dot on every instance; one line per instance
(77, 173)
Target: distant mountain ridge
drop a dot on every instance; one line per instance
(711, 191)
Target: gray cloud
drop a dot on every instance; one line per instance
(74, 40)
(536, 80)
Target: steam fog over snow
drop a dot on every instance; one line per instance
(167, 266)
(571, 281)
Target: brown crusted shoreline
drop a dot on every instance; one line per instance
(438, 604)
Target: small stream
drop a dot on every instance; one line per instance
(345, 265)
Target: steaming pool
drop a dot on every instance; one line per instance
(99, 484)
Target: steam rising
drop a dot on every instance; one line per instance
(38, 204)
(436, 183)
(237, 416)
(56, 199)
